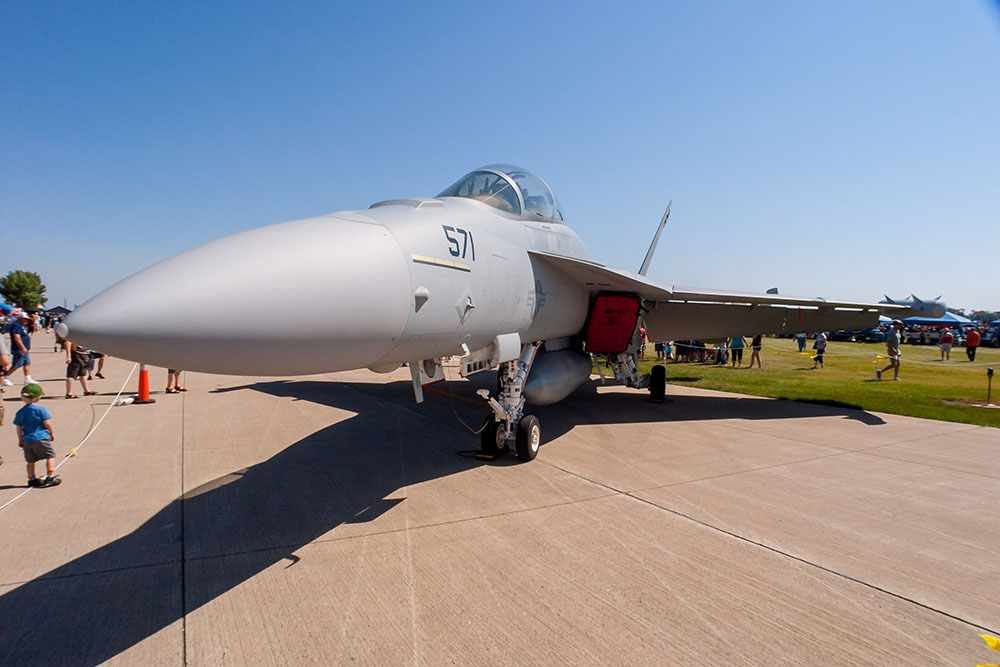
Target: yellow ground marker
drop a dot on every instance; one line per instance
(994, 644)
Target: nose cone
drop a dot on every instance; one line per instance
(308, 296)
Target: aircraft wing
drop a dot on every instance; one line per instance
(603, 279)
(675, 313)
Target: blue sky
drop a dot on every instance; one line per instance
(843, 149)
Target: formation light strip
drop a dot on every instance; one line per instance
(434, 261)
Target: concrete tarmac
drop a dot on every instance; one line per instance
(329, 519)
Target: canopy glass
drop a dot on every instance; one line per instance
(509, 189)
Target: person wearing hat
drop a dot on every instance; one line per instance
(945, 343)
(35, 436)
(892, 339)
(20, 344)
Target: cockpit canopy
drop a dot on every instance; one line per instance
(510, 189)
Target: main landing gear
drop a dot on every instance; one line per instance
(507, 421)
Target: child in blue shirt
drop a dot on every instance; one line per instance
(35, 435)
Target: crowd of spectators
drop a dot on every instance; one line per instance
(16, 330)
(730, 350)
(721, 352)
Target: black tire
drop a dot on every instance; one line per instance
(529, 437)
(657, 383)
(489, 437)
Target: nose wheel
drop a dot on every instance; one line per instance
(529, 437)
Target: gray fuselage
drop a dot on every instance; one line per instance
(405, 280)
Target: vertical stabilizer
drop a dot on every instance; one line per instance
(656, 239)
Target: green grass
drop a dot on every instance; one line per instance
(929, 388)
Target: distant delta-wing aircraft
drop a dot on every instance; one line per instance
(487, 271)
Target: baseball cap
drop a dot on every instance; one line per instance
(32, 391)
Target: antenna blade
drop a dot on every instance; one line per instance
(656, 239)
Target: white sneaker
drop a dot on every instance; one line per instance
(28, 380)
(7, 382)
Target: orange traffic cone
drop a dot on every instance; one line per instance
(143, 396)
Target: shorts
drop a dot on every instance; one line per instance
(75, 369)
(946, 347)
(39, 451)
(756, 348)
(20, 359)
(96, 355)
(172, 371)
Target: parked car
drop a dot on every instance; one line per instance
(991, 338)
(874, 335)
(859, 335)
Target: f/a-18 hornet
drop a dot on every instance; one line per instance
(487, 271)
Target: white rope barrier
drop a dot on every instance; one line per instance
(964, 366)
(74, 450)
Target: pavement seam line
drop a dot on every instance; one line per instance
(379, 533)
(929, 465)
(284, 547)
(702, 479)
(846, 452)
(865, 449)
(804, 561)
(630, 494)
(184, 610)
(741, 472)
(112, 570)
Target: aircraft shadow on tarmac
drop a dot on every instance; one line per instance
(100, 604)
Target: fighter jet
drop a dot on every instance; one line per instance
(487, 272)
(919, 307)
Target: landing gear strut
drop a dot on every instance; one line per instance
(508, 421)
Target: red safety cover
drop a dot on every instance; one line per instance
(612, 322)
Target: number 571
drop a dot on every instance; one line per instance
(460, 241)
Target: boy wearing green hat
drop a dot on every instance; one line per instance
(35, 435)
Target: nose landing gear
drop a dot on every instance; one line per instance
(508, 421)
